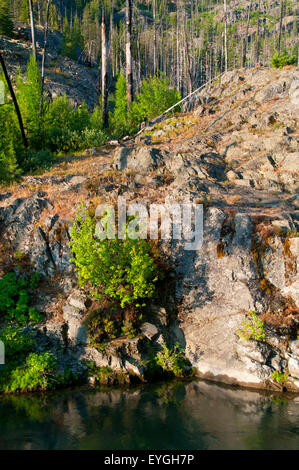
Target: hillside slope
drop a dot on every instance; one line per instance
(63, 75)
(237, 153)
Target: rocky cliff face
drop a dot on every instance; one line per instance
(63, 75)
(237, 154)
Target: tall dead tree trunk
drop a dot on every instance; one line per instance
(225, 37)
(280, 25)
(43, 65)
(129, 51)
(104, 71)
(12, 93)
(258, 35)
(188, 74)
(155, 36)
(245, 43)
(111, 33)
(32, 28)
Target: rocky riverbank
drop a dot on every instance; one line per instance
(237, 154)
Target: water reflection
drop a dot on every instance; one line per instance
(194, 415)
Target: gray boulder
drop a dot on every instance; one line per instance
(142, 160)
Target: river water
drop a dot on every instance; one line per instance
(168, 416)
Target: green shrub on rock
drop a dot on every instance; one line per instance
(280, 377)
(119, 270)
(16, 342)
(36, 374)
(15, 300)
(172, 360)
(252, 328)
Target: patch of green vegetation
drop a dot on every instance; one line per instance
(25, 370)
(117, 270)
(36, 374)
(15, 299)
(6, 23)
(173, 361)
(252, 328)
(107, 376)
(281, 60)
(280, 400)
(17, 343)
(168, 363)
(102, 328)
(155, 97)
(121, 275)
(63, 128)
(280, 377)
(129, 330)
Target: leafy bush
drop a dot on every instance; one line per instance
(252, 328)
(173, 361)
(281, 60)
(36, 374)
(15, 300)
(121, 270)
(25, 370)
(92, 138)
(156, 96)
(101, 328)
(8, 143)
(31, 160)
(70, 129)
(129, 330)
(280, 377)
(28, 94)
(16, 342)
(64, 128)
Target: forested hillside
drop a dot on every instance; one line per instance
(189, 40)
(84, 72)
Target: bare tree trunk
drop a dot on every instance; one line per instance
(111, 33)
(188, 75)
(43, 65)
(280, 25)
(11, 90)
(39, 12)
(178, 68)
(225, 36)
(104, 71)
(155, 36)
(246, 36)
(258, 35)
(32, 28)
(129, 52)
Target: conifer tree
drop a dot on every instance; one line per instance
(120, 115)
(6, 24)
(29, 95)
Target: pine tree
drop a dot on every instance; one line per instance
(66, 36)
(72, 38)
(6, 24)
(120, 116)
(29, 95)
